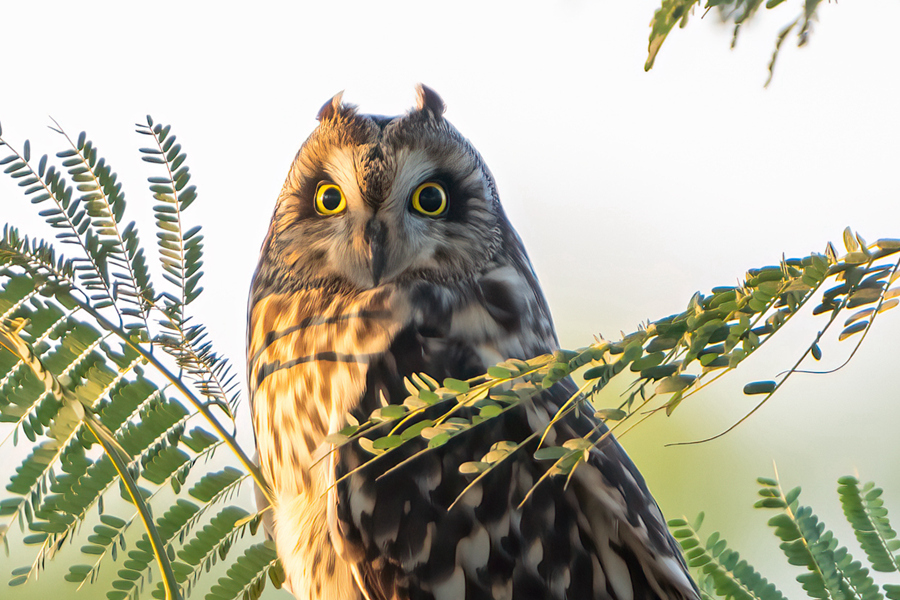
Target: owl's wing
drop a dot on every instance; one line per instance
(602, 536)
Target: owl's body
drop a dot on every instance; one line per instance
(389, 254)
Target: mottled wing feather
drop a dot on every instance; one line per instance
(601, 537)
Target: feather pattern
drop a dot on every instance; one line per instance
(331, 338)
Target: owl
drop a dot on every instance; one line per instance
(389, 254)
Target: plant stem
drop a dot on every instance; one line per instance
(15, 344)
(112, 449)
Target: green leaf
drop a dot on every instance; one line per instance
(390, 441)
(456, 385)
(759, 387)
(498, 372)
(550, 453)
(650, 360)
(611, 414)
(675, 383)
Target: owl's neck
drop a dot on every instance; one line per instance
(315, 357)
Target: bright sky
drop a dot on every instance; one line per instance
(631, 190)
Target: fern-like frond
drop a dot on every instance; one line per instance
(866, 513)
(37, 257)
(181, 251)
(69, 216)
(181, 254)
(211, 372)
(246, 578)
(176, 524)
(76, 358)
(831, 571)
(102, 548)
(211, 544)
(104, 205)
(720, 568)
(69, 387)
(669, 359)
(71, 416)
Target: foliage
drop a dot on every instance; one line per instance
(739, 12)
(669, 360)
(831, 572)
(79, 335)
(123, 400)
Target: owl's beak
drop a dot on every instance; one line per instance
(374, 236)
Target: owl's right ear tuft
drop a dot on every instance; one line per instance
(428, 100)
(332, 108)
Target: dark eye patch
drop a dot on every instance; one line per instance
(306, 195)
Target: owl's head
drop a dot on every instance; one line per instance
(371, 200)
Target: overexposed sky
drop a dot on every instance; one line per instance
(631, 190)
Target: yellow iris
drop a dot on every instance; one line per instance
(430, 199)
(330, 199)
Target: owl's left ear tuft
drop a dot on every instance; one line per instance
(334, 107)
(428, 100)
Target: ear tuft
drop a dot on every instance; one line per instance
(332, 108)
(427, 99)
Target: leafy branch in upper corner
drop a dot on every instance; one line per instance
(831, 572)
(739, 12)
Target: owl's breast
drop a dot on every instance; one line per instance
(309, 353)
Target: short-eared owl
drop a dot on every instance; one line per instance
(389, 254)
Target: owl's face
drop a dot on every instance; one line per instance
(373, 200)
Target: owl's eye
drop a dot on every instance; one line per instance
(430, 199)
(329, 199)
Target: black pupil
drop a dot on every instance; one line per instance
(331, 198)
(431, 199)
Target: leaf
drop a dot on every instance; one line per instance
(550, 453)
(853, 329)
(816, 351)
(336, 438)
(850, 242)
(456, 385)
(862, 314)
(888, 244)
(648, 361)
(865, 512)
(387, 442)
(759, 387)
(664, 19)
(498, 372)
(611, 414)
(675, 383)
(473, 467)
